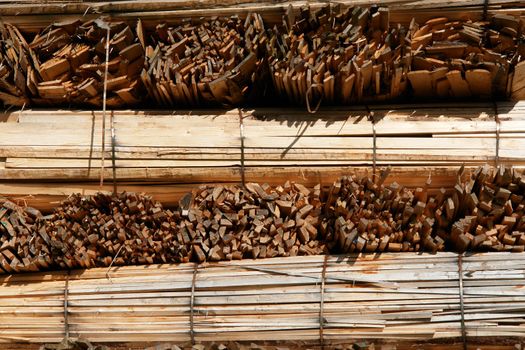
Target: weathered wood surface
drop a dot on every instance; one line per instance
(332, 55)
(483, 212)
(399, 297)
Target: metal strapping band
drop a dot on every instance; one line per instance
(113, 142)
(104, 109)
(192, 302)
(66, 312)
(498, 127)
(374, 154)
(485, 9)
(321, 307)
(461, 304)
(241, 133)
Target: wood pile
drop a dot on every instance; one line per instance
(332, 55)
(488, 211)
(338, 56)
(65, 64)
(14, 67)
(101, 230)
(216, 223)
(213, 62)
(256, 221)
(63, 156)
(22, 248)
(364, 215)
(400, 297)
(463, 59)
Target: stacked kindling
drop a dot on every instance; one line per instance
(363, 215)
(214, 62)
(330, 55)
(15, 66)
(355, 55)
(402, 297)
(338, 56)
(488, 211)
(22, 247)
(253, 222)
(260, 221)
(100, 230)
(69, 64)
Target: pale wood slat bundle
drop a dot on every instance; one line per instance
(403, 10)
(67, 145)
(403, 297)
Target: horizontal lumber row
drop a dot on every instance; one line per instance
(215, 223)
(332, 55)
(402, 297)
(211, 146)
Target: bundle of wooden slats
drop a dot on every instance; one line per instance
(489, 211)
(260, 221)
(399, 297)
(214, 62)
(70, 64)
(333, 54)
(211, 146)
(338, 56)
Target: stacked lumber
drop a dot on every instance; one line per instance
(215, 223)
(330, 54)
(14, 66)
(343, 56)
(339, 57)
(33, 18)
(213, 147)
(398, 297)
(213, 62)
(364, 215)
(22, 249)
(256, 221)
(463, 59)
(488, 211)
(70, 64)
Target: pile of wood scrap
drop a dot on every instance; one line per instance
(338, 56)
(15, 66)
(464, 58)
(488, 211)
(214, 223)
(400, 297)
(22, 247)
(102, 230)
(332, 55)
(363, 215)
(353, 55)
(257, 221)
(70, 64)
(220, 61)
